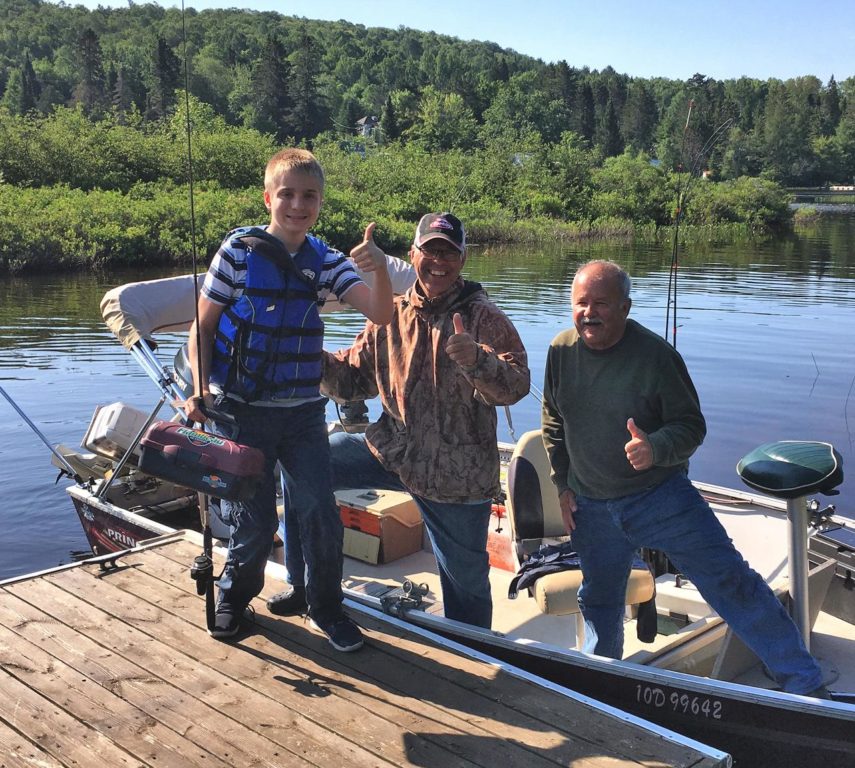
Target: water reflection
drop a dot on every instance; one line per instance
(765, 327)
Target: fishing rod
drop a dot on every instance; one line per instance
(66, 467)
(678, 215)
(202, 569)
(683, 186)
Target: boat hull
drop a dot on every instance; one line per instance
(109, 529)
(759, 730)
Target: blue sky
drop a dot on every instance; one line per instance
(647, 38)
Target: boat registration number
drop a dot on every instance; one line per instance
(687, 704)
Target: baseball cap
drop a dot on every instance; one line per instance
(441, 226)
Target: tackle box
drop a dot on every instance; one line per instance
(201, 460)
(379, 526)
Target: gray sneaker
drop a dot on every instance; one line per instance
(343, 634)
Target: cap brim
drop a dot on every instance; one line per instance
(439, 236)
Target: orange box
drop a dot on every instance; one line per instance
(359, 519)
(379, 526)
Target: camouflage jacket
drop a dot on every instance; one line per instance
(438, 428)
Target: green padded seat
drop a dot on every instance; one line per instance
(792, 468)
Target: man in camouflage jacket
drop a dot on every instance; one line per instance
(443, 363)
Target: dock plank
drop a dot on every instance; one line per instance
(116, 668)
(63, 736)
(18, 752)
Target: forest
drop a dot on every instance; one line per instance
(95, 109)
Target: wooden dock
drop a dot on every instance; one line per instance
(115, 668)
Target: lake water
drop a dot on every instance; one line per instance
(767, 330)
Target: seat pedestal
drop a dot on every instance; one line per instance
(797, 562)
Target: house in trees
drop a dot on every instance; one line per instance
(366, 126)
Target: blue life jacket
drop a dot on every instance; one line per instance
(269, 343)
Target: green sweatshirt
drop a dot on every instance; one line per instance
(588, 397)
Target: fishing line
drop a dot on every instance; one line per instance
(683, 186)
(66, 466)
(193, 250)
(846, 412)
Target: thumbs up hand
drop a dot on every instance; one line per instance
(639, 452)
(367, 255)
(461, 347)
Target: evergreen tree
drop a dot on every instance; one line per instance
(270, 105)
(585, 113)
(308, 114)
(389, 121)
(499, 70)
(406, 105)
(22, 89)
(90, 91)
(164, 78)
(829, 108)
(788, 127)
(30, 85)
(49, 98)
(639, 117)
(844, 139)
(608, 135)
(13, 96)
(745, 100)
(348, 115)
(121, 97)
(565, 80)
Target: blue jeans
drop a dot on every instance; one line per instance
(674, 518)
(457, 531)
(297, 438)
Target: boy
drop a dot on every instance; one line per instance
(261, 340)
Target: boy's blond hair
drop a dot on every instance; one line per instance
(292, 159)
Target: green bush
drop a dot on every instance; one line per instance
(630, 187)
(85, 194)
(758, 203)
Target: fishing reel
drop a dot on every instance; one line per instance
(202, 572)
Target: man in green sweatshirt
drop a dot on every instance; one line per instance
(620, 420)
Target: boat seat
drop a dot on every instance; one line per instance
(791, 468)
(534, 514)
